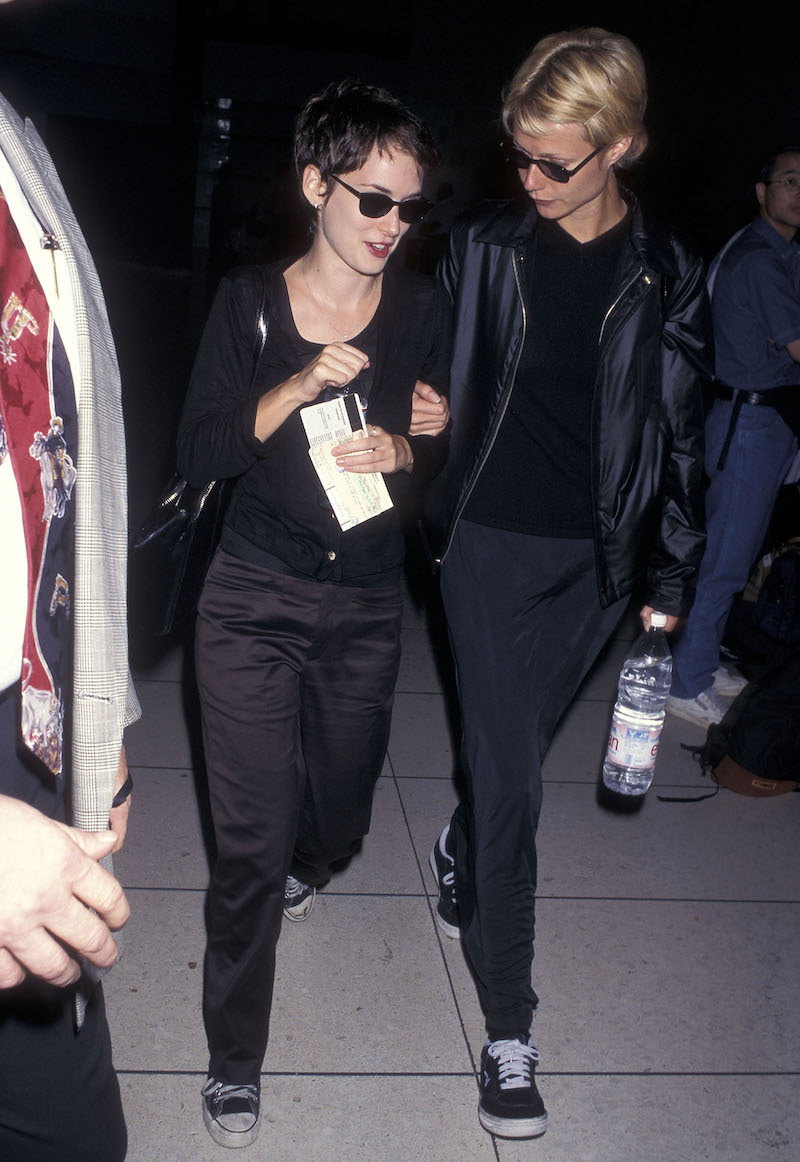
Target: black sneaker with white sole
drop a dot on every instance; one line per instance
(232, 1113)
(444, 869)
(510, 1105)
(298, 900)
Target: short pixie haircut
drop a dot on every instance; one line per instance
(338, 129)
(586, 77)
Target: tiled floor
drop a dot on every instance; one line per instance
(668, 958)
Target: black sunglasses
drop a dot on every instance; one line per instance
(551, 169)
(378, 205)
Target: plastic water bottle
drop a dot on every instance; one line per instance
(638, 718)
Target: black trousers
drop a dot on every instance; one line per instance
(525, 625)
(59, 1097)
(296, 684)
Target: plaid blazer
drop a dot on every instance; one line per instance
(104, 701)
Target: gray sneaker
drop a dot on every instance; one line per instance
(298, 900)
(728, 682)
(232, 1113)
(703, 710)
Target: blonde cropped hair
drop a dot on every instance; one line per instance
(587, 77)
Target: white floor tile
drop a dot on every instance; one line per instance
(419, 669)
(420, 742)
(164, 847)
(153, 994)
(348, 984)
(655, 986)
(161, 737)
(719, 849)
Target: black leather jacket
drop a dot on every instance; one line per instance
(647, 414)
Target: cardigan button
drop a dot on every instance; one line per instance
(331, 555)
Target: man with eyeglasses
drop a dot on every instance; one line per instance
(751, 431)
(581, 348)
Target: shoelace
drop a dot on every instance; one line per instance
(221, 1092)
(449, 877)
(514, 1062)
(294, 887)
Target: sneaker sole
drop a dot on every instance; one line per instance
(302, 911)
(512, 1127)
(445, 927)
(231, 1139)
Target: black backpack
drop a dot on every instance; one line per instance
(777, 609)
(755, 749)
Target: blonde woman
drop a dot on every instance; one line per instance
(580, 349)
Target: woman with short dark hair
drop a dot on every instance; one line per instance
(298, 626)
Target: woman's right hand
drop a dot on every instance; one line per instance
(336, 365)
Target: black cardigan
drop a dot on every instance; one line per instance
(278, 506)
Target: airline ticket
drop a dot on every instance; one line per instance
(354, 496)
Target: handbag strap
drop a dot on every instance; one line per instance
(262, 323)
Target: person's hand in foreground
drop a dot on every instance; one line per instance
(49, 881)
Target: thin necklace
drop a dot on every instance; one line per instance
(344, 334)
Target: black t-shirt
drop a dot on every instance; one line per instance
(292, 350)
(537, 478)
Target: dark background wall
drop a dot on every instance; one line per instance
(171, 122)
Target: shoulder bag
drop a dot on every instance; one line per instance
(172, 550)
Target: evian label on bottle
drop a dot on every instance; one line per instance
(633, 744)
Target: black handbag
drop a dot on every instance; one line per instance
(172, 551)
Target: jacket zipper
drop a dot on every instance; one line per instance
(516, 259)
(619, 298)
(595, 508)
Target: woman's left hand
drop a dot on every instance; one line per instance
(430, 412)
(377, 451)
